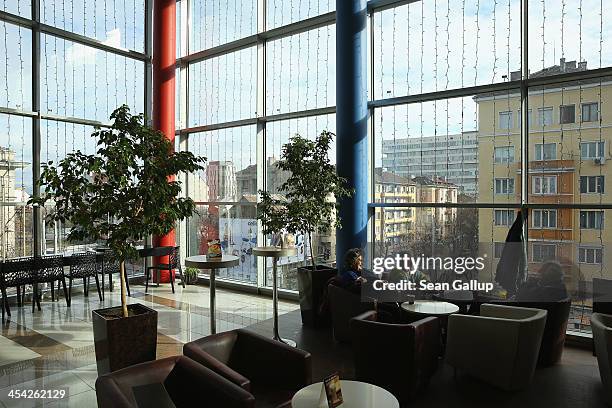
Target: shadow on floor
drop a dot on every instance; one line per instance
(572, 383)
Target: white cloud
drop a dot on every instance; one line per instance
(81, 54)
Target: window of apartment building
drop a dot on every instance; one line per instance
(544, 219)
(567, 113)
(520, 118)
(505, 120)
(504, 186)
(590, 112)
(545, 116)
(544, 184)
(504, 154)
(503, 217)
(546, 151)
(498, 249)
(591, 219)
(543, 252)
(592, 150)
(589, 255)
(592, 184)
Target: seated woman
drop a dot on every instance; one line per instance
(548, 287)
(351, 276)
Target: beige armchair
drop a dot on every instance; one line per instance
(499, 347)
(601, 324)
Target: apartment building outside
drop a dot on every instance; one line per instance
(569, 163)
(453, 158)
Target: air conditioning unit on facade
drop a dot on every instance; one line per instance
(599, 160)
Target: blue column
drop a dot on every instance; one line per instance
(351, 122)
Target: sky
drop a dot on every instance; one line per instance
(421, 47)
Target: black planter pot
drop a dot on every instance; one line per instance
(124, 341)
(311, 285)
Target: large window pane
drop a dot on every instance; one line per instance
(567, 36)
(22, 8)
(231, 169)
(301, 71)
(118, 23)
(283, 12)
(279, 133)
(223, 89)
(15, 67)
(216, 22)
(569, 161)
(16, 237)
(57, 140)
(455, 141)
(235, 226)
(83, 82)
(432, 46)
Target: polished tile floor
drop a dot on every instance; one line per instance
(54, 348)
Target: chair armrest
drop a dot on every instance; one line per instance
(109, 395)
(286, 366)
(193, 351)
(189, 381)
(507, 312)
(427, 344)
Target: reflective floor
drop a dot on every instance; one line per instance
(54, 348)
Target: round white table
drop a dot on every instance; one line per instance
(213, 264)
(430, 308)
(355, 394)
(275, 253)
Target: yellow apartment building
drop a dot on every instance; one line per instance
(569, 162)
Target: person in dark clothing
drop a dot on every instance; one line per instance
(547, 287)
(511, 265)
(351, 276)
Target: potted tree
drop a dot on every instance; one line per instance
(121, 195)
(308, 206)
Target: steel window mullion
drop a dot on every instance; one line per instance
(298, 27)
(219, 50)
(371, 143)
(17, 20)
(299, 114)
(380, 5)
(217, 126)
(68, 119)
(18, 112)
(37, 227)
(447, 94)
(90, 42)
(576, 206)
(261, 136)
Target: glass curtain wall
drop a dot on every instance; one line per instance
(65, 65)
(258, 73)
(452, 162)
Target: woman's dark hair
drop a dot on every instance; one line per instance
(351, 257)
(551, 272)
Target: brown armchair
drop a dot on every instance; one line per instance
(344, 305)
(173, 382)
(272, 371)
(398, 357)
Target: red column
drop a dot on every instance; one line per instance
(164, 60)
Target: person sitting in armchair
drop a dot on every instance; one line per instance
(351, 277)
(548, 287)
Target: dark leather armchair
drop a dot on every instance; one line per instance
(344, 305)
(272, 371)
(174, 381)
(398, 357)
